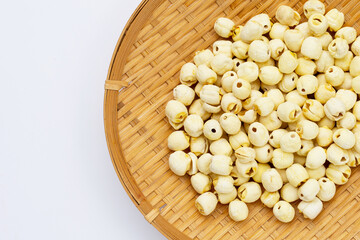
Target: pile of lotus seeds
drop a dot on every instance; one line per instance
(272, 115)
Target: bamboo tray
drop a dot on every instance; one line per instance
(158, 39)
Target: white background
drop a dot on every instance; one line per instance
(56, 177)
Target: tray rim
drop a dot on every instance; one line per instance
(152, 215)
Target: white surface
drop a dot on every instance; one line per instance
(56, 177)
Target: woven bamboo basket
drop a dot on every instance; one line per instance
(158, 39)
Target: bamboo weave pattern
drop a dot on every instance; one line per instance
(160, 37)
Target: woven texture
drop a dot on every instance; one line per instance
(159, 38)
